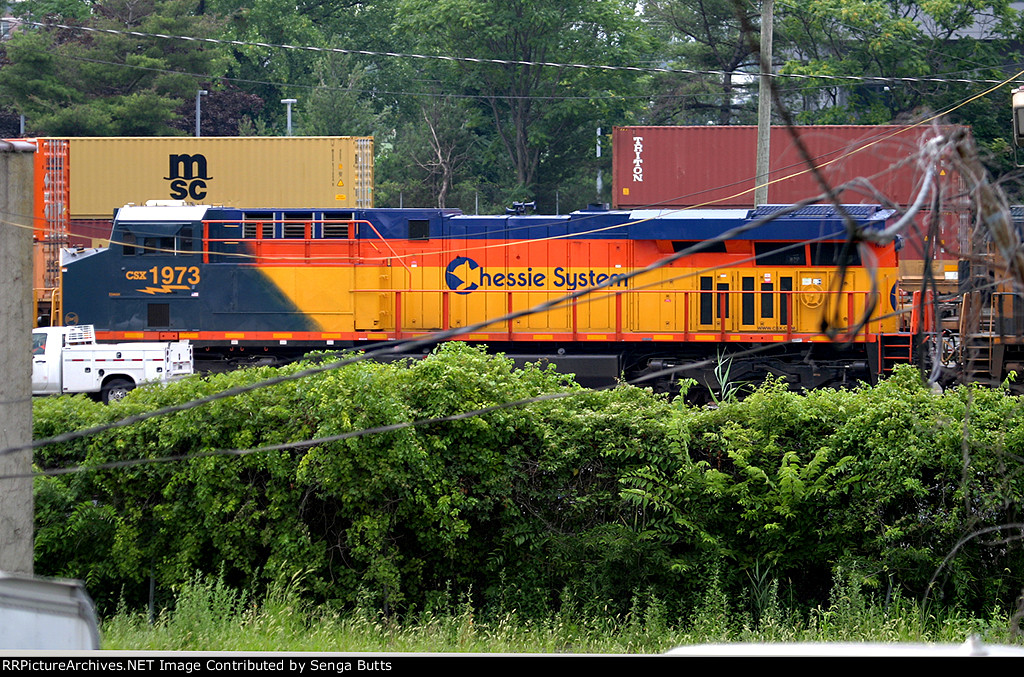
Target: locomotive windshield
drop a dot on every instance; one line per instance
(156, 239)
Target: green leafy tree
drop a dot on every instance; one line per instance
(525, 100)
(706, 35)
(73, 83)
(973, 39)
(432, 153)
(270, 69)
(339, 104)
(587, 501)
(224, 112)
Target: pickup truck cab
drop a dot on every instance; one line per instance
(68, 360)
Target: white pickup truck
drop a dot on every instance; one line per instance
(68, 360)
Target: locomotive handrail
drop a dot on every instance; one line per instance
(1000, 316)
(392, 250)
(870, 332)
(266, 284)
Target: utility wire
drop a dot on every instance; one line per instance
(502, 62)
(864, 145)
(308, 443)
(429, 340)
(305, 444)
(313, 442)
(400, 347)
(377, 92)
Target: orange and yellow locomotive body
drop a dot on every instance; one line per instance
(649, 288)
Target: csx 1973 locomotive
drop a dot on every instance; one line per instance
(251, 285)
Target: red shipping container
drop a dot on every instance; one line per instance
(715, 166)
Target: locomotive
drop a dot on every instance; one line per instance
(656, 292)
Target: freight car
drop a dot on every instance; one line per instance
(255, 285)
(987, 318)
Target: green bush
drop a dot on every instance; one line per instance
(892, 477)
(583, 501)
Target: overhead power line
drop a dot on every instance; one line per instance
(510, 62)
(400, 347)
(362, 432)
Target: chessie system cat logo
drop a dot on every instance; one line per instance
(463, 275)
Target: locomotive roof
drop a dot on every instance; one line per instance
(176, 212)
(812, 221)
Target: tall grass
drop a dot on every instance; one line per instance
(209, 616)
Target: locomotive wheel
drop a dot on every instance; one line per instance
(116, 390)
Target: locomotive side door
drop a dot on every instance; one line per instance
(369, 298)
(373, 304)
(761, 306)
(744, 301)
(713, 306)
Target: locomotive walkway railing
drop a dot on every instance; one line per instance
(802, 323)
(725, 315)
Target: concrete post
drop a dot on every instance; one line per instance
(16, 507)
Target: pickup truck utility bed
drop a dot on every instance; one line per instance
(68, 360)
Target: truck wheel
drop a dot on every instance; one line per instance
(115, 390)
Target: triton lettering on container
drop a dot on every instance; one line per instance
(714, 166)
(665, 167)
(250, 285)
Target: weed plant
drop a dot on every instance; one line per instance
(209, 616)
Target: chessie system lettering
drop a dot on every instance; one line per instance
(463, 275)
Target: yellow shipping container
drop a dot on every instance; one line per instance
(281, 172)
